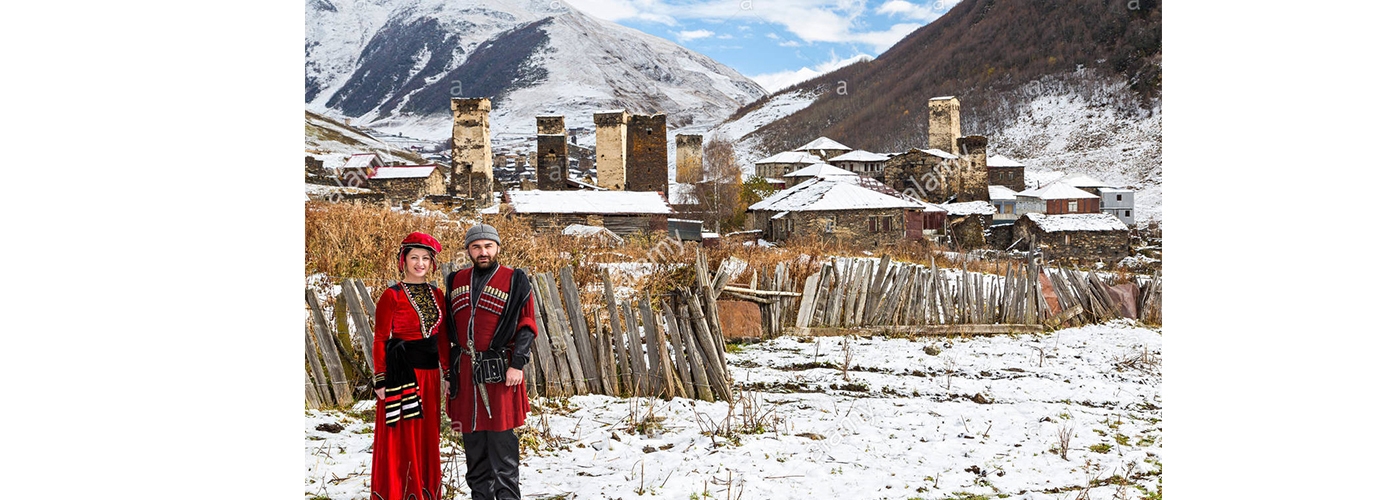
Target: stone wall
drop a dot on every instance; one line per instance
(611, 154)
(944, 123)
(688, 158)
(552, 162)
(967, 232)
(846, 225)
(971, 178)
(472, 174)
(621, 225)
(647, 166)
(551, 125)
(1011, 177)
(1074, 246)
(410, 189)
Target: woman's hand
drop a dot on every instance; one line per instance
(379, 393)
(514, 377)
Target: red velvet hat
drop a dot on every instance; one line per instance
(418, 240)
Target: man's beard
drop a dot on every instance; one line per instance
(485, 265)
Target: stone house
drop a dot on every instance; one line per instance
(409, 182)
(837, 207)
(968, 222)
(823, 148)
(1057, 199)
(939, 176)
(778, 165)
(1003, 171)
(622, 212)
(1083, 237)
(861, 162)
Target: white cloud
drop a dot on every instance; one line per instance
(725, 36)
(686, 36)
(773, 36)
(788, 43)
(916, 12)
(809, 20)
(773, 82)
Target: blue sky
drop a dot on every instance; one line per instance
(775, 42)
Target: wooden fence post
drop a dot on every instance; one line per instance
(339, 386)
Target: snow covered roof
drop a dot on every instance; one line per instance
(1083, 181)
(861, 155)
(1057, 191)
(581, 230)
(998, 192)
(830, 193)
(940, 153)
(1077, 222)
(404, 172)
(821, 170)
(822, 143)
(363, 160)
(791, 157)
(978, 207)
(1114, 190)
(588, 202)
(1002, 161)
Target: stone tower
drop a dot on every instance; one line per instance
(944, 124)
(647, 168)
(688, 158)
(551, 154)
(971, 183)
(472, 177)
(611, 149)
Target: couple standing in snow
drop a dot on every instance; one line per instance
(476, 336)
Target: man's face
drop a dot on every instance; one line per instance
(483, 253)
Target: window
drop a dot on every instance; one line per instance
(886, 223)
(1120, 197)
(1074, 206)
(1127, 213)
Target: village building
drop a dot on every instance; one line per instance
(775, 167)
(823, 148)
(1081, 237)
(473, 171)
(816, 170)
(623, 212)
(861, 162)
(1003, 171)
(837, 207)
(1003, 204)
(968, 222)
(1084, 182)
(551, 158)
(596, 234)
(1118, 202)
(409, 183)
(1056, 199)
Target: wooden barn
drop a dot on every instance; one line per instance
(622, 212)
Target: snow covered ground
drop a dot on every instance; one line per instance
(924, 418)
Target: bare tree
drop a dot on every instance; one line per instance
(720, 184)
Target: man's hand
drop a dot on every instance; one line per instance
(514, 377)
(379, 393)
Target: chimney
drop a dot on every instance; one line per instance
(944, 123)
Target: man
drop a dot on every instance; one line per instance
(491, 327)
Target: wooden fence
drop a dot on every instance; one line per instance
(668, 346)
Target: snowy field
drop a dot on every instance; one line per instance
(931, 418)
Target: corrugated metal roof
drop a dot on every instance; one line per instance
(791, 157)
(1077, 222)
(588, 202)
(834, 193)
(404, 172)
(1057, 191)
(822, 143)
(861, 155)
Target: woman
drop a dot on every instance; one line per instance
(407, 321)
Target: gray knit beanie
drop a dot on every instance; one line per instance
(483, 232)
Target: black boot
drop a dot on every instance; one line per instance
(505, 464)
(479, 469)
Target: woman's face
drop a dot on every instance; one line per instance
(417, 264)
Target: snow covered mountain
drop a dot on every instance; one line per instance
(394, 65)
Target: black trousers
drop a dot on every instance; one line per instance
(493, 464)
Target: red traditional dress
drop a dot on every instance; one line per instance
(508, 405)
(406, 464)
